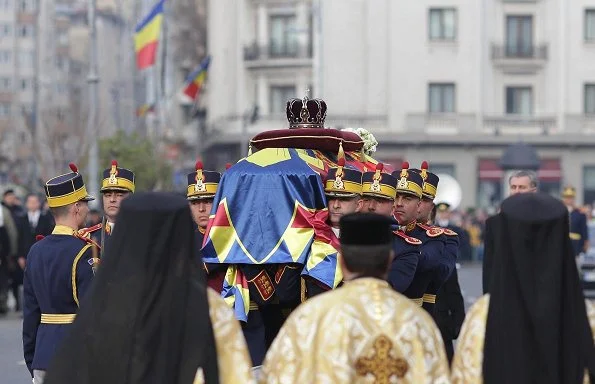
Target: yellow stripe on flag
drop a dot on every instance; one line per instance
(149, 34)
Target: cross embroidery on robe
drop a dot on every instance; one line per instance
(381, 365)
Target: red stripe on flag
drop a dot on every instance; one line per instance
(145, 57)
(192, 90)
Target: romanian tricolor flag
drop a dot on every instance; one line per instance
(146, 37)
(195, 80)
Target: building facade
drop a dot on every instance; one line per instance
(453, 83)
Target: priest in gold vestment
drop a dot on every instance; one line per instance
(535, 325)
(363, 332)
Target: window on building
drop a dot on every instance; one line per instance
(283, 37)
(62, 63)
(444, 169)
(441, 97)
(5, 56)
(26, 30)
(4, 109)
(519, 36)
(26, 59)
(519, 100)
(5, 83)
(27, 5)
(279, 96)
(589, 184)
(26, 84)
(5, 30)
(589, 99)
(590, 25)
(443, 24)
(63, 38)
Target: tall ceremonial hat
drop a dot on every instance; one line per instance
(408, 181)
(202, 184)
(343, 182)
(66, 189)
(116, 178)
(306, 113)
(569, 191)
(430, 181)
(365, 229)
(378, 184)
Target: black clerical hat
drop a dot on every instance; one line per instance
(365, 229)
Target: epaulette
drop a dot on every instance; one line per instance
(408, 239)
(86, 232)
(431, 230)
(450, 232)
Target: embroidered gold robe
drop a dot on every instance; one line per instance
(233, 359)
(467, 364)
(363, 332)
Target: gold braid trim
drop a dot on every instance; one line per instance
(74, 264)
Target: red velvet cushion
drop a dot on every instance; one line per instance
(326, 139)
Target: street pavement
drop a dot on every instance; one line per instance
(12, 365)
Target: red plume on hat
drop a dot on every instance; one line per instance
(227, 166)
(404, 168)
(424, 169)
(379, 168)
(199, 169)
(73, 168)
(39, 237)
(114, 169)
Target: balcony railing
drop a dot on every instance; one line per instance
(277, 51)
(538, 52)
(440, 123)
(520, 124)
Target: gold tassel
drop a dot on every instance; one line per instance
(249, 149)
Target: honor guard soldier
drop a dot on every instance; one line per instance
(343, 190)
(434, 264)
(579, 233)
(379, 192)
(58, 273)
(202, 187)
(117, 184)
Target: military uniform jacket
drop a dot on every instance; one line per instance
(579, 233)
(406, 256)
(432, 261)
(58, 274)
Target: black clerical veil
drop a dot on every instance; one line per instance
(146, 319)
(537, 328)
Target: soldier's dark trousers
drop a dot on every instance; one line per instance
(254, 334)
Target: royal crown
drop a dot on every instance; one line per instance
(306, 113)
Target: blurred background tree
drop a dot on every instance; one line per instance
(139, 154)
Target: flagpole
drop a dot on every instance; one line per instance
(92, 80)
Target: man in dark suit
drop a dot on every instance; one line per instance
(518, 182)
(34, 222)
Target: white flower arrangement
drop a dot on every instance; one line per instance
(370, 142)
